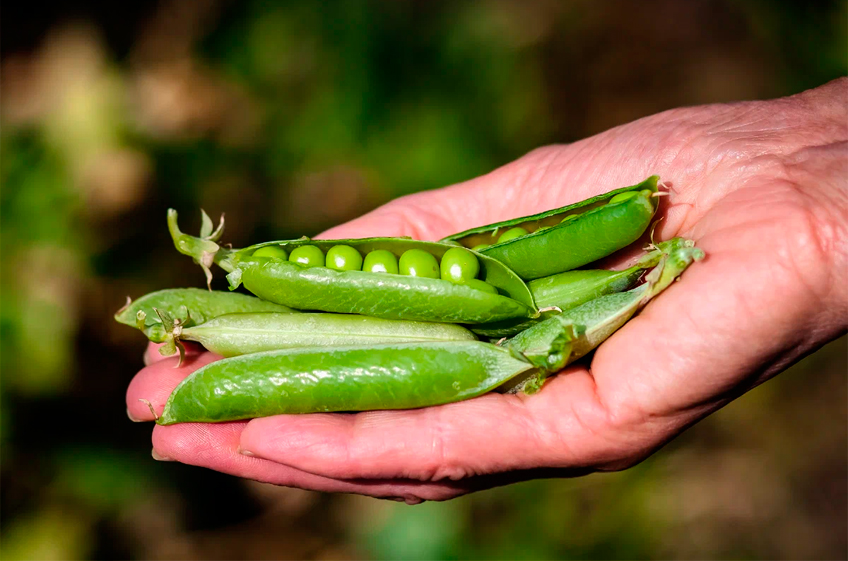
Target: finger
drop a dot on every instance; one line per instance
(154, 384)
(215, 446)
(486, 435)
(152, 354)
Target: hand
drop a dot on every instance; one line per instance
(760, 186)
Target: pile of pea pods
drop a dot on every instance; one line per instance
(396, 323)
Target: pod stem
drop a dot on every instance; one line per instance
(173, 333)
(671, 266)
(202, 249)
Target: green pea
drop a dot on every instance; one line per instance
(307, 255)
(568, 218)
(419, 263)
(480, 247)
(344, 258)
(646, 193)
(381, 261)
(273, 251)
(477, 284)
(459, 265)
(621, 197)
(512, 233)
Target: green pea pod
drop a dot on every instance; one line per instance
(568, 290)
(239, 334)
(361, 378)
(390, 296)
(204, 305)
(400, 376)
(598, 319)
(552, 244)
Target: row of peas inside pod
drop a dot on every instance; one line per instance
(394, 323)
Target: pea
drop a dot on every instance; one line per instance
(419, 263)
(344, 258)
(307, 255)
(621, 197)
(381, 261)
(480, 247)
(477, 284)
(568, 218)
(459, 265)
(646, 193)
(273, 251)
(512, 233)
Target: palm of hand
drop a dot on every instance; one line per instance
(756, 185)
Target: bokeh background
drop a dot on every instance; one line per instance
(295, 116)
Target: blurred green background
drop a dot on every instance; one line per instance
(112, 113)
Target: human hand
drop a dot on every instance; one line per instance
(760, 186)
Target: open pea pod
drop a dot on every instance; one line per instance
(565, 238)
(383, 295)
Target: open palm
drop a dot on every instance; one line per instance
(760, 186)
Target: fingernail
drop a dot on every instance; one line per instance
(244, 452)
(159, 458)
(133, 419)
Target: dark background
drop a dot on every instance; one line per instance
(295, 116)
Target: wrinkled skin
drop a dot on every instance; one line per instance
(760, 186)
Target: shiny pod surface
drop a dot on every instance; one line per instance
(379, 294)
(598, 319)
(402, 376)
(239, 334)
(568, 290)
(555, 245)
(202, 305)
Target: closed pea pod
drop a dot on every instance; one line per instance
(401, 376)
(245, 333)
(569, 237)
(598, 319)
(204, 305)
(568, 290)
(382, 295)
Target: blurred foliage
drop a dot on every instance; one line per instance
(296, 116)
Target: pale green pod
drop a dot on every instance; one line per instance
(239, 334)
(596, 320)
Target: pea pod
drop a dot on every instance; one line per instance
(596, 320)
(383, 295)
(401, 376)
(239, 334)
(568, 290)
(204, 305)
(565, 238)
